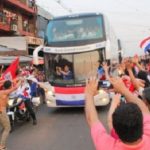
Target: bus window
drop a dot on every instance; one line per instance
(59, 68)
(85, 65)
(69, 69)
(75, 29)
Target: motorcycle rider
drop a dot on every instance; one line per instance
(24, 91)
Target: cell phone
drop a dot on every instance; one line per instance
(122, 99)
(104, 84)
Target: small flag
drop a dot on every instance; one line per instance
(145, 44)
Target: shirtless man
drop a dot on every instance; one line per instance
(4, 120)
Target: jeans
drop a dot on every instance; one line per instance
(29, 107)
(5, 123)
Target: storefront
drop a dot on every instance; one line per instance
(33, 42)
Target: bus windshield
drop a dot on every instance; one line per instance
(75, 29)
(71, 69)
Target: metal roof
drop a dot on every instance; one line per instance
(5, 48)
(6, 60)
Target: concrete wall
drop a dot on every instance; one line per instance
(18, 43)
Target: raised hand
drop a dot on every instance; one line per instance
(128, 64)
(135, 60)
(91, 86)
(118, 85)
(105, 66)
(116, 100)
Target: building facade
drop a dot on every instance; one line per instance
(18, 17)
(18, 20)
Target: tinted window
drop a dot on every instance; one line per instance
(71, 68)
(75, 29)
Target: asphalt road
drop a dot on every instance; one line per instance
(57, 129)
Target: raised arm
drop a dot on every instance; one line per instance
(137, 83)
(106, 68)
(13, 88)
(135, 60)
(120, 88)
(1, 82)
(90, 110)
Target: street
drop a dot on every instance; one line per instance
(62, 128)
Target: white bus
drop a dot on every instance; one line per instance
(74, 45)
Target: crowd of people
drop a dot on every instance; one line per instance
(128, 116)
(24, 86)
(129, 113)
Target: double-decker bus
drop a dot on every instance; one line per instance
(75, 44)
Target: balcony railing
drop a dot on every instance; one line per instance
(10, 24)
(4, 25)
(7, 24)
(28, 7)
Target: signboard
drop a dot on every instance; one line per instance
(34, 40)
(74, 49)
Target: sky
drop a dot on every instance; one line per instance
(130, 19)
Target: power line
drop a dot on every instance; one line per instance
(64, 6)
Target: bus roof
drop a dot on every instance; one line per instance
(76, 16)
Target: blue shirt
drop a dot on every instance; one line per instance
(100, 71)
(69, 76)
(33, 87)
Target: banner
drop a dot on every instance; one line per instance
(10, 72)
(72, 96)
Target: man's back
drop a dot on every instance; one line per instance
(3, 99)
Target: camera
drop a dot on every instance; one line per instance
(104, 84)
(122, 99)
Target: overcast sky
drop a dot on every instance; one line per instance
(139, 6)
(129, 18)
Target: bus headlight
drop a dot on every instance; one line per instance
(104, 99)
(48, 102)
(50, 93)
(10, 102)
(101, 91)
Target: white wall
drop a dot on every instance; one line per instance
(18, 43)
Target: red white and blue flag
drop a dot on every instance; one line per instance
(145, 44)
(71, 96)
(10, 72)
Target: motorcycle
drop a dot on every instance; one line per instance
(17, 111)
